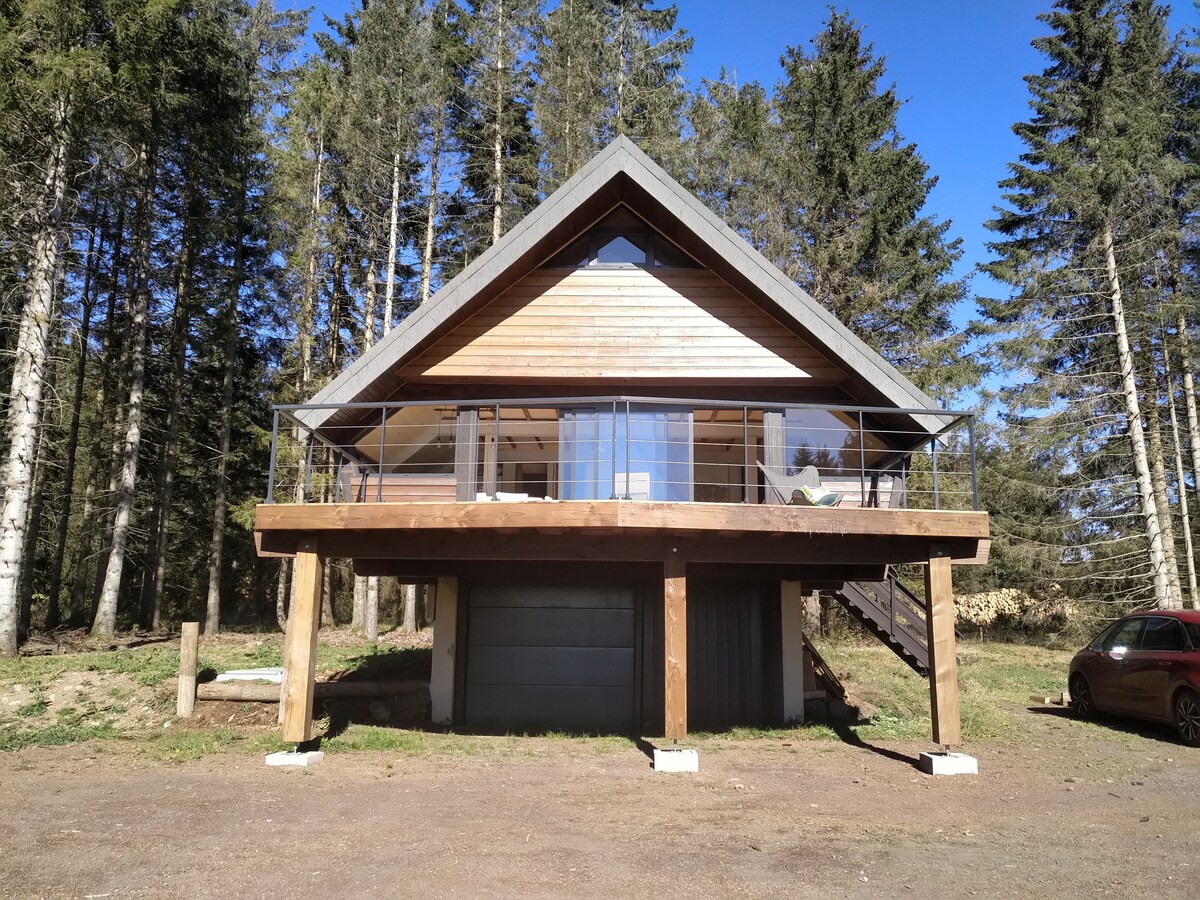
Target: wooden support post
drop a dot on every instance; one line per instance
(189, 646)
(943, 663)
(445, 633)
(300, 650)
(675, 648)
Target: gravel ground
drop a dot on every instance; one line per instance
(1074, 809)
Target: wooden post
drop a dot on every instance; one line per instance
(300, 650)
(943, 663)
(675, 648)
(189, 646)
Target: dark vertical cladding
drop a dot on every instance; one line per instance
(734, 653)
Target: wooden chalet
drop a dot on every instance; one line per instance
(592, 441)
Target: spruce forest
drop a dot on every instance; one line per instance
(211, 206)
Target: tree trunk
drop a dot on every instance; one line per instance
(106, 606)
(281, 594)
(88, 303)
(1162, 499)
(81, 611)
(33, 527)
(212, 616)
(360, 603)
(1189, 397)
(1181, 484)
(308, 295)
(409, 594)
(389, 291)
(1133, 412)
(156, 559)
(435, 154)
(498, 138)
(371, 610)
(29, 363)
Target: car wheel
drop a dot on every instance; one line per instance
(1187, 717)
(1082, 703)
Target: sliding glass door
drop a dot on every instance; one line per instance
(633, 451)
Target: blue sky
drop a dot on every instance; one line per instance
(957, 64)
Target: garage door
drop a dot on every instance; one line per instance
(550, 657)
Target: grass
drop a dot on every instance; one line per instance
(995, 678)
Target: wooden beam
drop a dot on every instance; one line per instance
(476, 544)
(943, 664)
(300, 651)
(428, 571)
(600, 515)
(254, 692)
(189, 645)
(675, 648)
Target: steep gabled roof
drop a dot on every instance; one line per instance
(622, 173)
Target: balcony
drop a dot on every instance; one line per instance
(621, 449)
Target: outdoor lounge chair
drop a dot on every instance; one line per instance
(804, 489)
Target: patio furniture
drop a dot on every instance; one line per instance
(806, 486)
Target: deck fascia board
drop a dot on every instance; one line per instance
(610, 516)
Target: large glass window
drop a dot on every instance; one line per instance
(643, 455)
(829, 441)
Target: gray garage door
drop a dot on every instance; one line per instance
(550, 657)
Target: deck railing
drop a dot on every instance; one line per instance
(622, 448)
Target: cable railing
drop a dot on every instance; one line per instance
(566, 449)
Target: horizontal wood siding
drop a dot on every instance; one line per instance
(400, 488)
(626, 323)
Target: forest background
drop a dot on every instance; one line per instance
(211, 206)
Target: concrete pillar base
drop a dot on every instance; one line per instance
(947, 763)
(288, 758)
(676, 761)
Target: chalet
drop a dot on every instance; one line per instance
(622, 444)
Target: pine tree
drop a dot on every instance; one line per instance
(494, 127)
(732, 148)
(51, 66)
(645, 54)
(1087, 203)
(860, 241)
(568, 109)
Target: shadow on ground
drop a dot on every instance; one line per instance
(1149, 730)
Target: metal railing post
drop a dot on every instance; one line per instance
(862, 464)
(271, 469)
(308, 469)
(933, 458)
(612, 431)
(974, 470)
(382, 447)
(628, 495)
(745, 454)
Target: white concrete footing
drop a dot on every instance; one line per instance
(288, 758)
(676, 761)
(948, 763)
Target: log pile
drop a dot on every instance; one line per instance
(1014, 608)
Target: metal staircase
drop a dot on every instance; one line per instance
(891, 612)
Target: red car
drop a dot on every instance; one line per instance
(1145, 665)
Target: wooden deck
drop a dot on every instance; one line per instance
(620, 530)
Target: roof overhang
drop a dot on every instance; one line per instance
(621, 173)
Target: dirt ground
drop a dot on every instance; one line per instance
(1075, 809)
